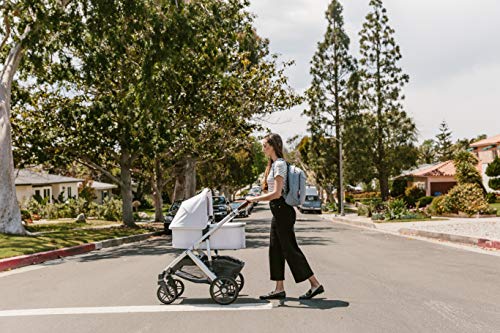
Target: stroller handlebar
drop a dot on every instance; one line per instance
(243, 205)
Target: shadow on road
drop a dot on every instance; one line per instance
(316, 303)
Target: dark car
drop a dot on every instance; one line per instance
(311, 204)
(169, 216)
(242, 213)
(221, 207)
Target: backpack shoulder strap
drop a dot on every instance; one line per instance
(287, 177)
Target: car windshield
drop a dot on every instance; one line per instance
(235, 204)
(219, 200)
(175, 205)
(312, 198)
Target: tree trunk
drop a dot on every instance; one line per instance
(180, 181)
(190, 177)
(10, 214)
(126, 188)
(157, 191)
(384, 186)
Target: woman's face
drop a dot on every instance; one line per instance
(266, 148)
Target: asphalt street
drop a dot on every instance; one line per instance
(374, 282)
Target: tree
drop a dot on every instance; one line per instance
(28, 39)
(444, 146)
(493, 171)
(392, 131)
(427, 152)
(466, 169)
(331, 67)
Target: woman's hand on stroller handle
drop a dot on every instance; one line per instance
(243, 205)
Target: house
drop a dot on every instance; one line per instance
(486, 151)
(30, 183)
(435, 179)
(102, 191)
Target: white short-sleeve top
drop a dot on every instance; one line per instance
(278, 168)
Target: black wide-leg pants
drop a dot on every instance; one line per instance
(283, 245)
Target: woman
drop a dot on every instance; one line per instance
(283, 245)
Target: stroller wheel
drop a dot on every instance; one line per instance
(167, 292)
(240, 281)
(224, 290)
(180, 287)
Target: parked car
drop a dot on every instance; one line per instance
(242, 213)
(169, 216)
(221, 207)
(312, 202)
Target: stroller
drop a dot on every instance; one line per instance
(193, 230)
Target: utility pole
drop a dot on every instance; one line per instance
(341, 172)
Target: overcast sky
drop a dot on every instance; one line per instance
(450, 48)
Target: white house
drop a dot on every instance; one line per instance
(30, 183)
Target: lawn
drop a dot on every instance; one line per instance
(497, 206)
(59, 236)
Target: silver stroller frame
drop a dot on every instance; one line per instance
(223, 289)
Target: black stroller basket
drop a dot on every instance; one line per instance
(227, 266)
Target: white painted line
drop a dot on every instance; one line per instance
(136, 309)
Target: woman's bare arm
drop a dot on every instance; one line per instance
(278, 187)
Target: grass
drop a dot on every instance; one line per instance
(60, 236)
(61, 225)
(497, 206)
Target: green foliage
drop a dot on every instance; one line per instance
(444, 146)
(491, 198)
(437, 205)
(425, 201)
(466, 171)
(329, 99)
(399, 186)
(412, 194)
(466, 198)
(395, 209)
(427, 152)
(493, 171)
(390, 132)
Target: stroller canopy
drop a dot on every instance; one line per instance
(194, 213)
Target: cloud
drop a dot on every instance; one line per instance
(450, 50)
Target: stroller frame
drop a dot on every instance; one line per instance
(166, 280)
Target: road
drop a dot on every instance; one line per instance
(374, 282)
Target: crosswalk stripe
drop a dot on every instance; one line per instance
(135, 309)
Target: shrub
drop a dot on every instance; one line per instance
(466, 198)
(378, 217)
(362, 210)
(491, 198)
(330, 207)
(399, 186)
(349, 198)
(424, 201)
(395, 209)
(437, 205)
(412, 194)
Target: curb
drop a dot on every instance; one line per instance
(481, 242)
(344, 220)
(40, 257)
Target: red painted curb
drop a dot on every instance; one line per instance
(36, 258)
(489, 244)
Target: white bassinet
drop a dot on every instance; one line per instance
(194, 216)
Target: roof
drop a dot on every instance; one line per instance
(438, 169)
(103, 186)
(29, 177)
(486, 142)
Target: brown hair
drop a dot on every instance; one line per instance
(274, 140)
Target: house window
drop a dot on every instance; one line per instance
(46, 193)
(104, 195)
(69, 192)
(37, 192)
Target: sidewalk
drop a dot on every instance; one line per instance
(482, 232)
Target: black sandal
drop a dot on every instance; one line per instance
(311, 293)
(274, 295)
